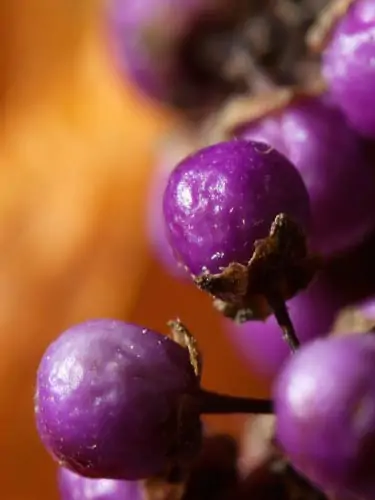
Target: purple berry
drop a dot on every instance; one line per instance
(331, 160)
(313, 312)
(160, 44)
(75, 487)
(107, 399)
(348, 66)
(325, 409)
(223, 198)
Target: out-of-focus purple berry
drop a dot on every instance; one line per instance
(159, 44)
(107, 398)
(260, 343)
(348, 66)
(325, 413)
(75, 487)
(223, 198)
(331, 159)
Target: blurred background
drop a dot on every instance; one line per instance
(76, 155)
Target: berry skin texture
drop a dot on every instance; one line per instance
(325, 413)
(348, 66)
(331, 159)
(107, 398)
(223, 198)
(313, 312)
(75, 487)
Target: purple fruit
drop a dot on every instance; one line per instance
(75, 487)
(313, 312)
(325, 409)
(107, 399)
(174, 150)
(331, 160)
(348, 66)
(223, 198)
(160, 44)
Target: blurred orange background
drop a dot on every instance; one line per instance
(76, 152)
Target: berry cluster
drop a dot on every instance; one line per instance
(265, 201)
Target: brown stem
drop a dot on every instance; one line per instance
(214, 403)
(280, 310)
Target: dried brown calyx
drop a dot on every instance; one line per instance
(185, 442)
(280, 267)
(202, 401)
(185, 338)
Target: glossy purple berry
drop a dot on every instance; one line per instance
(325, 413)
(107, 398)
(313, 312)
(223, 198)
(160, 44)
(348, 66)
(331, 160)
(75, 487)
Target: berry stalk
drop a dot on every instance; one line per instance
(215, 403)
(280, 310)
